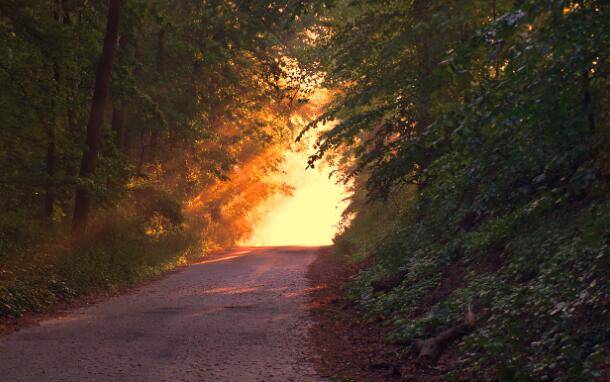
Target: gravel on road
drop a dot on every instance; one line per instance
(239, 317)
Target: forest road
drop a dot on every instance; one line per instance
(239, 317)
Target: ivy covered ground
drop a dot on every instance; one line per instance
(476, 138)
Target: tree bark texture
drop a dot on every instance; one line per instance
(82, 203)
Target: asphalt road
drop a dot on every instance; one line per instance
(240, 317)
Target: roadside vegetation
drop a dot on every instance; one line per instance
(136, 136)
(139, 135)
(476, 134)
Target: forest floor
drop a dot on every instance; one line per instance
(349, 347)
(241, 316)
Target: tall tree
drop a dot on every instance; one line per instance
(82, 203)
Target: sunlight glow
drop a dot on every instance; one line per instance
(310, 216)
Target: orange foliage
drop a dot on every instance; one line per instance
(225, 212)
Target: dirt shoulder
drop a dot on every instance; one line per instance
(350, 348)
(347, 347)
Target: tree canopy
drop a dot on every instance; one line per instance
(476, 136)
(154, 129)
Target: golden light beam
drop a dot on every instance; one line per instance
(309, 217)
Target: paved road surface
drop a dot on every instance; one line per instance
(238, 318)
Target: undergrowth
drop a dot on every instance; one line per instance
(536, 278)
(511, 221)
(41, 265)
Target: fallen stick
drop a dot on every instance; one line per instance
(430, 349)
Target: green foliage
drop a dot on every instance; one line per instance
(199, 90)
(123, 249)
(359, 236)
(497, 111)
(199, 86)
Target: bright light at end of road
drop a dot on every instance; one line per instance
(309, 217)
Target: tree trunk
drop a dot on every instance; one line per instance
(118, 126)
(73, 129)
(82, 201)
(141, 156)
(49, 199)
(154, 135)
(161, 50)
(118, 112)
(587, 100)
(154, 139)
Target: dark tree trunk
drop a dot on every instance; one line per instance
(141, 156)
(118, 126)
(72, 123)
(587, 100)
(82, 201)
(49, 199)
(154, 135)
(161, 50)
(118, 112)
(154, 140)
(73, 129)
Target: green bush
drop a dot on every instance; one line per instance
(124, 247)
(504, 130)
